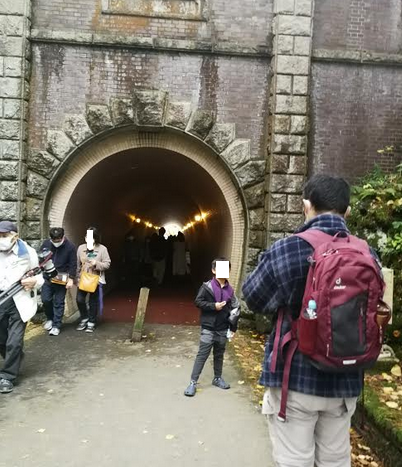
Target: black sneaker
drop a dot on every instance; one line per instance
(220, 383)
(191, 389)
(5, 386)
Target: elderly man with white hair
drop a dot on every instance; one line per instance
(16, 258)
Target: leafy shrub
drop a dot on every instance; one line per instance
(377, 217)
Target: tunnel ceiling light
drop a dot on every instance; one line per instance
(197, 219)
(138, 220)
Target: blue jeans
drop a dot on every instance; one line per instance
(53, 298)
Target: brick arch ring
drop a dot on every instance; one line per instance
(148, 119)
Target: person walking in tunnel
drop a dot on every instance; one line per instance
(158, 250)
(133, 255)
(220, 310)
(54, 290)
(93, 259)
(16, 259)
(179, 256)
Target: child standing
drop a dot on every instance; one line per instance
(219, 308)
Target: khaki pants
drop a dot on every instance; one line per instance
(316, 431)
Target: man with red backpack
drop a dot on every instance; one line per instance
(323, 287)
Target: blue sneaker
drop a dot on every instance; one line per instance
(220, 383)
(191, 389)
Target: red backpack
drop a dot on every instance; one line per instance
(342, 329)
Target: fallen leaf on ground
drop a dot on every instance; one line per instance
(169, 437)
(392, 405)
(388, 390)
(240, 382)
(396, 370)
(84, 441)
(386, 377)
(41, 430)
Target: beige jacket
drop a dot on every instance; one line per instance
(102, 259)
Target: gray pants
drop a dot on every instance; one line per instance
(12, 330)
(209, 340)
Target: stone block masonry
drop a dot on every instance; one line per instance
(288, 121)
(15, 26)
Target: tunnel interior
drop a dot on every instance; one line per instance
(158, 186)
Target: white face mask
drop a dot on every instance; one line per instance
(6, 243)
(57, 244)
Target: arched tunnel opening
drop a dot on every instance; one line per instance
(157, 186)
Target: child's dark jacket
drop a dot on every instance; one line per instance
(211, 318)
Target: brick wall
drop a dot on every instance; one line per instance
(246, 21)
(66, 78)
(373, 25)
(355, 110)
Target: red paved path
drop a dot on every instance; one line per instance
(165, 306)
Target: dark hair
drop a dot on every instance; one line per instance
(56, 232)
(328, 193)
(219, 259)
(162, 231)
(97, 235)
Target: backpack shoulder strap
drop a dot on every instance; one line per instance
(314, 237)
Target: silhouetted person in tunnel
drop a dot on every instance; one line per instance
(133, 254)
(180, 268)
(158, 250)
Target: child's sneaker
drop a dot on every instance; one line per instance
(90, 327)
(220, 383)
(191, 389)
(82, 325)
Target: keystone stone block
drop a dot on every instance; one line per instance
(150, 107)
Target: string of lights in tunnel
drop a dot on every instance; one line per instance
(198, 218)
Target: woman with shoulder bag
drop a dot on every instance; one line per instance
(91, 267)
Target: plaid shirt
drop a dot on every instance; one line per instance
(278, 282)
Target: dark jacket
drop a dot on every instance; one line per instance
(64, 257)
(211, 318)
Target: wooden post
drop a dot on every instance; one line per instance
(140, 315)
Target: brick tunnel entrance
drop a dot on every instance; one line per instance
(158, 186)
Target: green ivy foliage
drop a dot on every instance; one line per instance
(377, 216)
